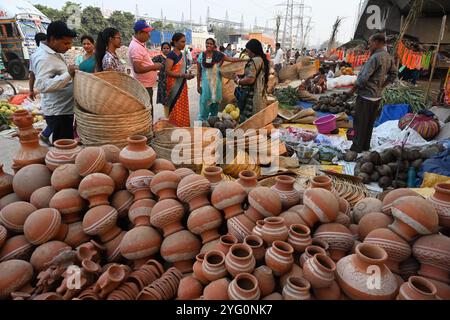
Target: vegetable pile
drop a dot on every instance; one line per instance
(401, 92)
(228, 119)
(287, 97)
(6, 112)
(336, 103)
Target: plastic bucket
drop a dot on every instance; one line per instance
(327, 124)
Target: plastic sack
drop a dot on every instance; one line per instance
(342, 81)
(432, 179)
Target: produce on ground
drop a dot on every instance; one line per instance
(287, 97)
(336, 103)
(401, 92)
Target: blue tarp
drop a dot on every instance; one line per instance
(438, 164)
(393, 112)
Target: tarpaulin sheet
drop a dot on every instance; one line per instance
(392, 112)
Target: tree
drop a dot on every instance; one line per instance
(92, 21)
(158, 25)
(124, 22)
(52, 14)
(334, 32)
(222, 34)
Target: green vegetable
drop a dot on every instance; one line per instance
(287, 97)
(401, 92)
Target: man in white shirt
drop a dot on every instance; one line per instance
(54, 80)
(279, 59)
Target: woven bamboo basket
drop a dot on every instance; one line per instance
(262, 118)
(306, 72)
(228, 88)
(288, 73)
(100, 97)
(170, 137)
(229, 69)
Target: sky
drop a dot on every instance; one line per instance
(323, 12)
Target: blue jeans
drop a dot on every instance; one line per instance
(208, 111)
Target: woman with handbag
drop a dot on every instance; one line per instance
(251, 93)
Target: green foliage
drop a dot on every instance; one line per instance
(123, 21)
(287, 97)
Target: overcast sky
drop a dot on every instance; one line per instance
(323, 12)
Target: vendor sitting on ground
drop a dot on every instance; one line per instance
(317, 83)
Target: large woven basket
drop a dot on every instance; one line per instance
(229, 69)
(228, 88)
(306, 72)
(262, 118)
(100, 97)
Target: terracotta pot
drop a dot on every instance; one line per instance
(240, 259)
(244, 287)
(44, 225)
(355, 272)
(366, 206)
(344, 207)
(214, 176)
(266, 280)
(296, 271)
(338, 237)
(343, 219)
(274, 229)
(433, 253)
(398, 250)
(189, 289)
(112, 248)
(101, 221)
(90, 251)
(167, 215)
(443, 289)
(29, 179)
(319, 271)
(184, 172)
(417, 288)
(63, 152)
(373, 221)
(3, 235)
(229, 197)
(119, 174)
(414, 216)
(240, 226)
(217, 290)
(354, 229)
(273, 297)
(111, 153)
(299, 237)
(408, 268)
(285, 188)
(322, 204)
(6, 180)
(197, 270)
(293, 217)
(110, 280)
(322, 244)
(13, 216)
(161, 165)
(280, 258)
(65, 177)
(194, 190)
(140, 244)
(45, 253)
(14, 275)
(140, 211)
(257, 230)
(137, 155)
(332, 292)
(393, 196)
(165, 185)
(248, 179)
(205, 222)
(323, 182)
(309, 253)
(8, 199)
(181, 248)
(213, 266)
(122, 201)
(76, 235)
(441, 202)
(96, 188)
(42, 196)
(263, 203)
(92, 160)
(16, 247)
(138, 183)
(257, 244)
(225, 243)
(23, 119)
(297, 289)
(70, 204)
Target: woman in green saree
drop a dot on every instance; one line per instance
(86, 62)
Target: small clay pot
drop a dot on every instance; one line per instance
(140, 211)
(244, 287)
(6, 181)
(119, 174)
(310, 252)
(217, 290)
(441, 202)
(257, 244)
(63, 152)
(323, 182)
(42, 196)
(44, 225)
(205, 222)
(285, 188)
(214, 176)
(137, 155)
(29, 179)
(263, 203)
(299, 237)
(319, 271)
(181, 248)
(338, 237)
(194, 190)
(213, 266)
(101, 221)
(122, 201)
(240, 226)
(165, 184)
(138, 183)
(167, 215)
(96, 188)
(240, 259)
(92, 160)
(280, 258)
(297, 289)
(225, 243)
(266, 280)
(14, 215)
(229, 197)
(417, 288)
(248, 179)
(197, 270)
(70, 204)
(274, 229)
(66, 177)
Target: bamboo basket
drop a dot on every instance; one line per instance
(229, 69)
(228, 88)
(306, 72)
(262, 118)
(100, 97)
(288, 73)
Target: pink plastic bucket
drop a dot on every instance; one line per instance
(326, 124)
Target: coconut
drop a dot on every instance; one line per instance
(375, 176)
(350, 156)
(367, 167)
(384, 170)
(365, 177)
(385, 182)
(375, 158)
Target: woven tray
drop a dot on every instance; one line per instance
(262, 118)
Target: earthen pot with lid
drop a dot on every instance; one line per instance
(288, 194)
(42, 196)
(66, 177)
(263, 203)
(441, 202)
(70, 204)
(244, 287)
(181, 248)
(138, 183)
(214, 176)
(140, 244)
(229, 196)
(63, 151)
(205, 222)
(13, 216)
(15, 275)
(101, 221)
(6, 180)
(164, 185)
(44, 225)
(137, 155)
(167, 215)
(92, 160)
(29, 179)
(96, 187)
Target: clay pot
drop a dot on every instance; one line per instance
(44, 225)
(299, 237)
(205, 222)
(240, 259)
(184, 172)
(13, 216)
(274, 229)
(293, 217)
(138, 183)
(225, 243)
(189, 289)
(273, 297)
(217, 290)
(139, 213)
(440, 201)
(319, 271)
(112, 247)
(279, 257)
(76, 235)
(63, 152)
(408, 268)
(257, 230)
(96, 188)
(181, 248)
(296, 271)
(70, 204)
(244, 287)
(323, 182)
(332, 292)
(161, 165)
(285, 188)
(354, 273)
(393, 196)
(398, 250)
(256, 243)
(338, 237)
(414, 216)
(110, 280)
(101, 221)
(29, 179)
(165, 185)
(344, 207)
(92, 160)
(111, 153)
(197, 270)
(309, 253)
(443, 289)
(343, 219)
(433, 253)
(167, 215)
(373, 221)
(320, 205)
(122, 201)
(23, 119)
(366, 206)
(240, 227)
(42, 196)
(119, 174)
(213, 266)
(45, 253)
(194, 190)
(248, 179)
(417, 288)
(6, 180)
(137, 155)
(263, 203)
(297, 289)
(229, 197)
(66, 177)
(266, 280)
(214, 176)
(15, 275)
(322, 244)
(8, 199)
(3, 235)
(140, 244)
(16, 247)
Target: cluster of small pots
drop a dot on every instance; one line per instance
(129, 226)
